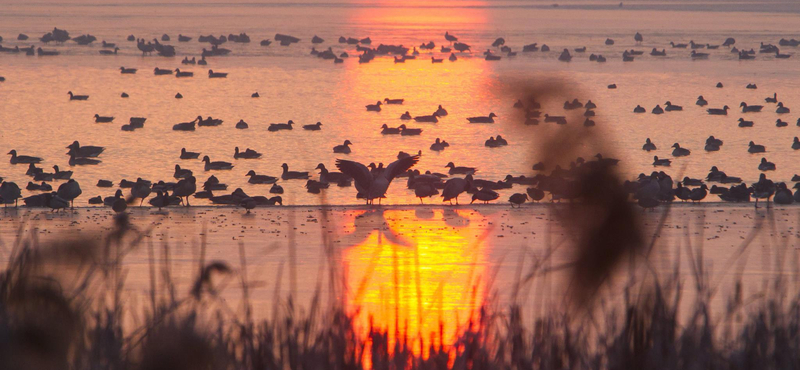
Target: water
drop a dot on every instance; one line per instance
(38, 119)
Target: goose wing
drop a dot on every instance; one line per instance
(359, 172)
(399, 166)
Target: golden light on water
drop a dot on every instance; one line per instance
(427, 284)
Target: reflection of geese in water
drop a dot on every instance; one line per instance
(367, 223)
(453, 219)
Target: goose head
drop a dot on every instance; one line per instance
(285, 167)
(450, 165)
(492, 115)
(751, 144)
(647, 140)
(743, 104)
(320, 167)
(676, 146)
(726, 107)
(206, 159)
(96, 116)
(251, 173)
(385, 126)
(402, 127)
(290, 123)
(780, 104)
(347, 142)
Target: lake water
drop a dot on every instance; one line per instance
(38, 118)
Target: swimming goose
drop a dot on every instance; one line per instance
(241, 124)
(326, 176)
(437, 146)
(260, 179)
(590, 105)
(386, 130)
(212, 74)
(796, 143)
(696, 55)
(77, 97)
(185, 126)
(178, 96)
(440, 112)
(219, 165)
(189, 155)
(661, 162)
(372, 185)
(246, 154)
(711, 146)
(374, 107)
(657, 109)
(104, 183)
(781, 109)
(178, 73)
(344, 148)
(101, 119)
(315, 127)
(314, 187)
(452, 57)
(161, 72)
(22, 158)
(96, 200)
(460, 170)
(393, 101)
(561, 120)
(648, 145)
(772, 99)
(276, 189)
(405, 131)
(751, 86)
(743, 123)
(701, 102)
(33, 170)
(429, 119)
(80, 161)
(679, 46)
(109, 201)
(43, 176)
(61, 175)
(718, 112)
(765, 165)
(669, 107)
(137, 122)
(518, 199)
(639, 109)
(489, 143)
(69, 191)
(780, 123)
(657, 53)
(719, 85)
(407, 116)
(750, 108)
(181, 173)
(85, 151)
(754, 148)
(292, 175)
(679, 152)
(280, 126)
(783, 195)
(127, 71)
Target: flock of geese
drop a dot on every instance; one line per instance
(372, 181)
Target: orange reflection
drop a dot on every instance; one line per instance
(420, 14)
(415, 278)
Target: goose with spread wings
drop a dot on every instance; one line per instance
(372, 185)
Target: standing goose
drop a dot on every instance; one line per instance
(81, 161)
(77, 97)
(219, 165)
(25, 159)
(185, 188)
(292, 175)
(373, 185)
(9, 193)
(344, 148)
(482, 119)
(518, 199)
(69, 191)
(454, 187)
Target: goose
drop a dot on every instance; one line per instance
(452, 57)
(292, 175)
(185, 188)
(178, 73)
(260, 179)
(750, 108)
(743, 123)
(711, 146)
(374, 107)
(701, 102)
(688, 181)
(500, 140)
(344, 148)
(405, 131)
(326, 176)
(657, 109)
(104, 183)
(489, 143)
(315, 127)
(185, 126)
(755, 148)
(161, 72)
(796, 143)
(780, 123)
(648, 145)
(178, 96)
(61, 175)
(39, 187)
(437, 146)
(561, 120)
(437, 60)
(181, 173)
(241, 125)
(109, 201)
(77, 97)
(440, 112)
(246, 154)
(96, 200)
(188, 61)
(219, 165)
(386, 130)
(460, 170)
(43, 176)
(590, 105)
(137, 122)
(42, 52)
(766, 165)
(407, 116)
(695, 55)
(9, 193)
(678, 46)
(85, 151)
(394, 101)
(189, 155)
(127, 71)
(373, 185)
(639, 109)
(24, 159)
(212, 74)
(454, 187)
(719, 85)
(698, 194)
(657, 53)
(781, 109)
(669, 107)
(81, 161)
(679, 152)
(518, 199)
(124, 95)
(772, 99)
(751, 86)
(109, 52)
(280, 126)
(661, 162)
(101, 119)
(33, 170)
(276, 189)
(315, 187)
(581, 49)
(718, 112)
(69, 190)
(423, 190)
(783, 195)
(429, 119)
(778, 55)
